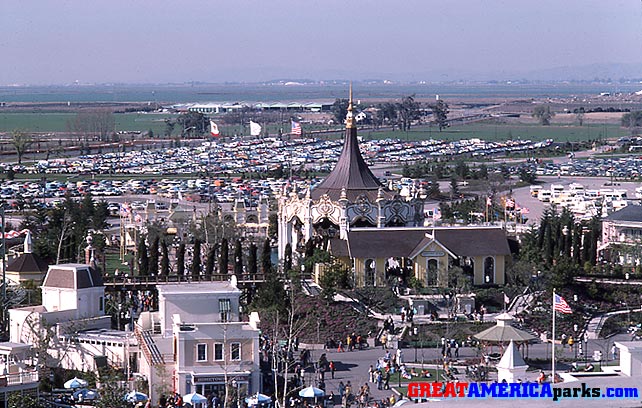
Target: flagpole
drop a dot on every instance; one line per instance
(553, 342)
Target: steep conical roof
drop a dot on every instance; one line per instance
(351, 171)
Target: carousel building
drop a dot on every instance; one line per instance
(374, 230)
(350, 197)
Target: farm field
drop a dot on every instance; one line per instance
(559, 132)
(57, 122)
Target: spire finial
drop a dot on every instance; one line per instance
(349, 116)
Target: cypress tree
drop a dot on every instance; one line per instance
(196, 260)
(287, 258)
(143, 260)
(164, 259)
(209, 263)
(153, 257)
(252, 266)
(223, 261)
(266, 258)
(180, 260)
(238, 258)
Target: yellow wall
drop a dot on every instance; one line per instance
(360, 272)
(421, 265)
(500, 270)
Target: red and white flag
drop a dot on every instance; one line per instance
(510, 202)
(14, 234)
(296, 128)
(214, 129)
(489, 202)
(560, 305)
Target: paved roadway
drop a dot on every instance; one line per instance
(353, 366)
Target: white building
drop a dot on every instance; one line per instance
(196, 342)
(17, 371)
(72, 318)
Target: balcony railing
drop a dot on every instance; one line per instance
(25, 377)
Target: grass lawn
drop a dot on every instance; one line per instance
(57, 122)
(498, 132)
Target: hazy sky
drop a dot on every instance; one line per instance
(57, 41)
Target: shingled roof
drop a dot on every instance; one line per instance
(351, 171)
(72, 276)
(408, 242)
(630, 213)
(27, 262)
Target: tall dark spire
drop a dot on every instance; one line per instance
(351, 171)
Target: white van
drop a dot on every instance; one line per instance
(544, 196)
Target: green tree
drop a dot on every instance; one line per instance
(238, 258)
(409, 110)
(454, 187)
(180, 260)
(143, 260)
(211, 261)
(18, 400)
(579, 116)
(223, 260)
(440, 114)
(632, 120)
(527, 176)
(340, 109)
(164, 259)
(389, 113)
(543, 114)
(153, 257)
(196, 260)
(252, 265)
(192, 123)
(287, 258)
(169, 127)
(266, 258)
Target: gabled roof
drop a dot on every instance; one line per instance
(631, 213)
(72, 276)
(27, 262)
(383, 242)
(408, 242)
(474, 241)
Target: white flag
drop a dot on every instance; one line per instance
(214, 129)
(255, 129)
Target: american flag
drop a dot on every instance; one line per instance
(125, 210)
(560, 305)
(296, 128)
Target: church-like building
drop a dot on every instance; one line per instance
(374, 230)
(350, 197)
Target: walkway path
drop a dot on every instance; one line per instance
(595, 324)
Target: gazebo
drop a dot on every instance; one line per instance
(504, 332)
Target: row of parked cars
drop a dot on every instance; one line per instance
(260, 155)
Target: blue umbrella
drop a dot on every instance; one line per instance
(135, 396)
(311, 392)
(258, 399)
(75, 383)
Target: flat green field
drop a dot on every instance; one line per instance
(492, 132)
(57, 122)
